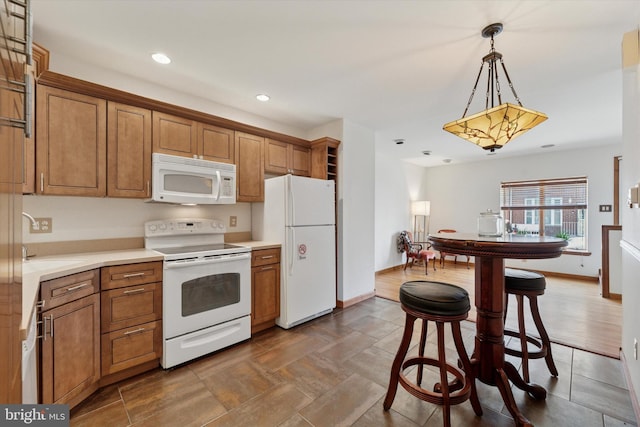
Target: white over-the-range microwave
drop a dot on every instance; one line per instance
(185, 180)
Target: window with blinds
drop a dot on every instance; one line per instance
(549, 207)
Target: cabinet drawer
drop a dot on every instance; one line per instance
(265, 256)
(65, 289)
(130, 347)
(125, 307)
(120, 276)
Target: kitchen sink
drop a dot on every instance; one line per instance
(39, 265)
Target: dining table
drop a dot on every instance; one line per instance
(488, 363)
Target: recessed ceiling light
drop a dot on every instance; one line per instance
(399, 141)
(446, 160)
(262, 97)
(426, 152)
(161, 58)
(547, 145)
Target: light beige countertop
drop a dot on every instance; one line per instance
(38, 269)
(258, 244)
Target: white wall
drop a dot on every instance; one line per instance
(356, 180)
(458, 193)
(397, 185)
(85, 218)
(631, 217)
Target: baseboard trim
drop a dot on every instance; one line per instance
(353, 301)
(546, 273)
(632, 391)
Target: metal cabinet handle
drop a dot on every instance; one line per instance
(43, 322)
(135, 331)
(42, 182)
(267, 268)
(40, 304)
(128, 276)
(27, 105)
(133, 291)
(75, 288)
(267, 257)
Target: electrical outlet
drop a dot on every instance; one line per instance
(635, 349)
(43, 225)
(233, 221)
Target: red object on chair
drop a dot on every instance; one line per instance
(415, 252)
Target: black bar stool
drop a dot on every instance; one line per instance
(523, 283)
(441, 303)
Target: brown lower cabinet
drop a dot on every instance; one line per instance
(70, 347)
(265, 288)
(131, 312)
(91, 338)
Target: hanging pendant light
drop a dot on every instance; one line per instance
(496, 125)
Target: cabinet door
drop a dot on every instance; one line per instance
(174, 135)
(300, 160)
(126, 307)
(265, 287)
(131, 347)
(128, 151)
(249, 167)
(71, 351)
(71, 143)
(276, 157)
(216, 143)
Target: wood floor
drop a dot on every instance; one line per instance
(334, 371)
(573, 311)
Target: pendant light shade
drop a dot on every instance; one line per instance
(496, 125)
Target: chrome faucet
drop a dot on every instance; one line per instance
(34, 223)
(35, 226)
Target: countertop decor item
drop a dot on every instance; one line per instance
(495, 126)
(490, 224)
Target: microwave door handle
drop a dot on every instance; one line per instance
(219, 184)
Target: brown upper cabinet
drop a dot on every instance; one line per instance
(283, 158)
(249, 167)
(188, 138)
(71, 139)
(216, 143)
(128, 151)
(174, 135)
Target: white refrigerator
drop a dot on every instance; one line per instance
(299, 213)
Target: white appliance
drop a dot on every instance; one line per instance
(29, 365)
(206, 288)
(299, 213)
(185, 180)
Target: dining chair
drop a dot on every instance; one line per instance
(443, 255)
(416, 252)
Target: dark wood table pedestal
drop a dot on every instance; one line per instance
(488, 362)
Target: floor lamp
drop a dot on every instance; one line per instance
(421, 211)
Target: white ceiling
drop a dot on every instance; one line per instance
(399, 68)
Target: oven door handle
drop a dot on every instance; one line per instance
(202, 261)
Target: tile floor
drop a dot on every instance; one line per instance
(334, 371)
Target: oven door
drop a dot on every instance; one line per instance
(200, 293)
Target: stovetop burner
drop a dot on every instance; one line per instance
(212, 248)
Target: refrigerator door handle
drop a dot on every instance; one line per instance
(292, 203)
(292, 239)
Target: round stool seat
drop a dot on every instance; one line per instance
(523, 280)
(436, 298)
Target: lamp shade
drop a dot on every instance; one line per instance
(421, 208)
(493, 128)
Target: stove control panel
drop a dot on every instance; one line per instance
(170, 227)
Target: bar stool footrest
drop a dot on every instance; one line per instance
(455, 396)
(536, 354)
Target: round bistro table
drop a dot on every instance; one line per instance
(487, 361)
